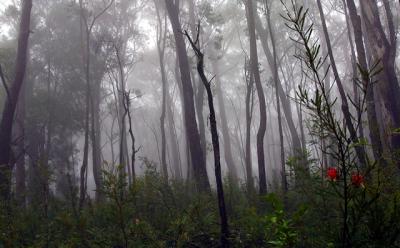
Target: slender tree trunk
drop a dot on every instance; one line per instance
(215, 142)
(199, 96)
(197, 158)
(85, 39)
(249, 114)
(261, 98)
(83, 171)
(11, 101)
(284, 99)
(96, 140)
(373, 124)
(123, 110)
(353, 65)
(224, 125)
(345, 106)
(173, 138)
(278, 105)
(161, 43)
(127, 111)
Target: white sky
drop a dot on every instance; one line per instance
(3, 5)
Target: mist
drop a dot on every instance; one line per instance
(198, 123)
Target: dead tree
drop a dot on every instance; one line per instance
(214, 137)
(127, 103)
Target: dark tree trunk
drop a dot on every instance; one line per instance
(215, 142)
(196, 153)
(261, 98)
(11, 101)
(249, 115)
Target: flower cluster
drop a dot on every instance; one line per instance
(332, 174)
(357, 179)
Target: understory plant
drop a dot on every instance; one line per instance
(353, 188)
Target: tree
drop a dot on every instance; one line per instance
(261, 98)
(196, 153)
(278, 103)
(222, 112)
(345, 105)
(161, 44)
(262, 32)
(12, 100)
(249, 78)
(214, 137)
(198, 86)
(383, 51)
(92, 124)
(373, 124)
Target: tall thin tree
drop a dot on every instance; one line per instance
(261, 97)
(7, 119)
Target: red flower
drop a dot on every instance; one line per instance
(332, 173)
(357, 180)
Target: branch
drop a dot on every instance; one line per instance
(100, 14)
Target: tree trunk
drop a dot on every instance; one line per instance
(161, 43)
(261, 98)
(189, 166)
(284, 99)
(384, 51)
(215, 142)
(12, 99)
(249, 114)
(197, 158)
(96, 140)
(345, 106)
(278, 105)
(373, 124)
(230, 162)
(173, 138)
(353, 64)
(199, 95)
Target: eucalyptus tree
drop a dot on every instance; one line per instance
(383, 47)
(12, 99)
(373, 124)
(121, 34)
(88, 19)
(261, 97)
(192, 133)
(161, 47)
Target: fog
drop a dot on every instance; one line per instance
(130, 105)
